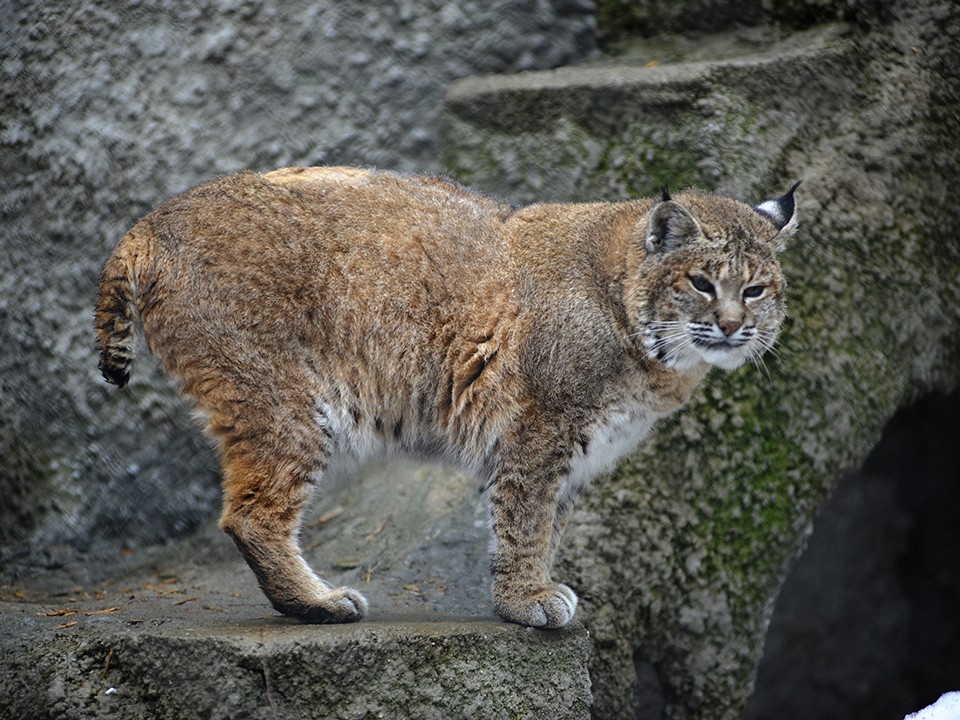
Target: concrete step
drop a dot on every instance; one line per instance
(189, 635)
(143, 663)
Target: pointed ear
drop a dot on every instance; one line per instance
(670, 226)
(782, 212)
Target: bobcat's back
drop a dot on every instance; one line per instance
(359, 289)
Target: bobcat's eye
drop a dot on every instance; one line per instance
(754, 291)
(701, 284)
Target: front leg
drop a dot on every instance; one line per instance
(524, 496)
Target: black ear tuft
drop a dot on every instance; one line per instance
(781, 210)
(665, 194)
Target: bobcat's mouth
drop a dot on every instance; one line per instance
(726, 353)
(719, 343)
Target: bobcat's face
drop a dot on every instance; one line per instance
(724, 312)
(713, 291)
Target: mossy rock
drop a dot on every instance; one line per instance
(679, 556)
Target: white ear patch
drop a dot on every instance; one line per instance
(773, 210)
(782, 212)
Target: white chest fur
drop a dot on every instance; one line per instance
(608, 440)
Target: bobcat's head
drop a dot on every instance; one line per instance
(711, 289)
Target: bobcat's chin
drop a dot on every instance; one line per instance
(692, 359)
(726, 357)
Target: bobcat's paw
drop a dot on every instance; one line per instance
(546, 606)
(339, 605)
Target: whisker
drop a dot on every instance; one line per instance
(762, 367)
(768, 342)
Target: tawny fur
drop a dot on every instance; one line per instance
(315, 314)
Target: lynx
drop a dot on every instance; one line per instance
(318, 316)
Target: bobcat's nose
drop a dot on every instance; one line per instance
(728, 326)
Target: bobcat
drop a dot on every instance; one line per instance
(323, 315)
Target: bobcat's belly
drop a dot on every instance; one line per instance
(357, 435)
(607, 441)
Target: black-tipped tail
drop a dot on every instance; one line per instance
(117, 313)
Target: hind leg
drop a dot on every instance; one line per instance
(272, 455)
(261, 512)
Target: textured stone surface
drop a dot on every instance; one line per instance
(618, 20)
(678, 557)
(617, 130)
(106, 109)
(183, 631)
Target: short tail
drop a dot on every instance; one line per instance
(120, 300)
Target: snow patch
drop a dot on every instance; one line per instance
(946, 708)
